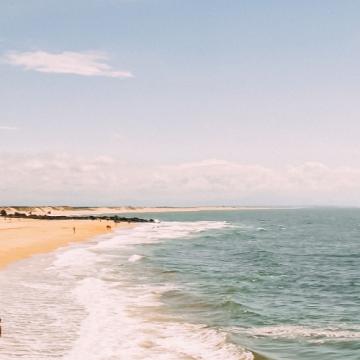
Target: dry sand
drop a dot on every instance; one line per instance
(21, 238)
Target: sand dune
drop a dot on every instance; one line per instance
(71, 211)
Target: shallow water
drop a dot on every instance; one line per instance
(205, 285)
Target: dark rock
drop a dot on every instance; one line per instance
(114, 218)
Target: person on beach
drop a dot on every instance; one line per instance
(74, 229)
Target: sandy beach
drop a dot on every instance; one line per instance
(21, 238)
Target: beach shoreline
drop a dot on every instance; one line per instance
(22, 238)
(86, 211)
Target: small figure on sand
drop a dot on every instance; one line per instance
(108, 227)
(74, 229)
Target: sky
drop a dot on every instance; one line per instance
(179, 102)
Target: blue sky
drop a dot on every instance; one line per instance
(231, 90)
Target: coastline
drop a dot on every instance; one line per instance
(83, 211)
(22, 238)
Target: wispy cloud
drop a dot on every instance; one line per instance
(5, 127)
(67, 62)
(68, 178)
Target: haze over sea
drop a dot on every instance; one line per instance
(200, 285)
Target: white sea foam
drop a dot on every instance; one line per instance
(260, 229)
(312, 334)
(38, 312)
(135, 258)
(76, 257)
(121, 324)
(158, 232)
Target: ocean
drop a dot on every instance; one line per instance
(275, 284)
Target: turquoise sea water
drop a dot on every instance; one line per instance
(283, 284)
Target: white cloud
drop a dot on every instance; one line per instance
(5, 127)
(67, 62)
(108, 180)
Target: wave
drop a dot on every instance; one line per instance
(260, 229)
(293, 332)
(158, 232)
(119, 323)
(135, 258)
(122, 317)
